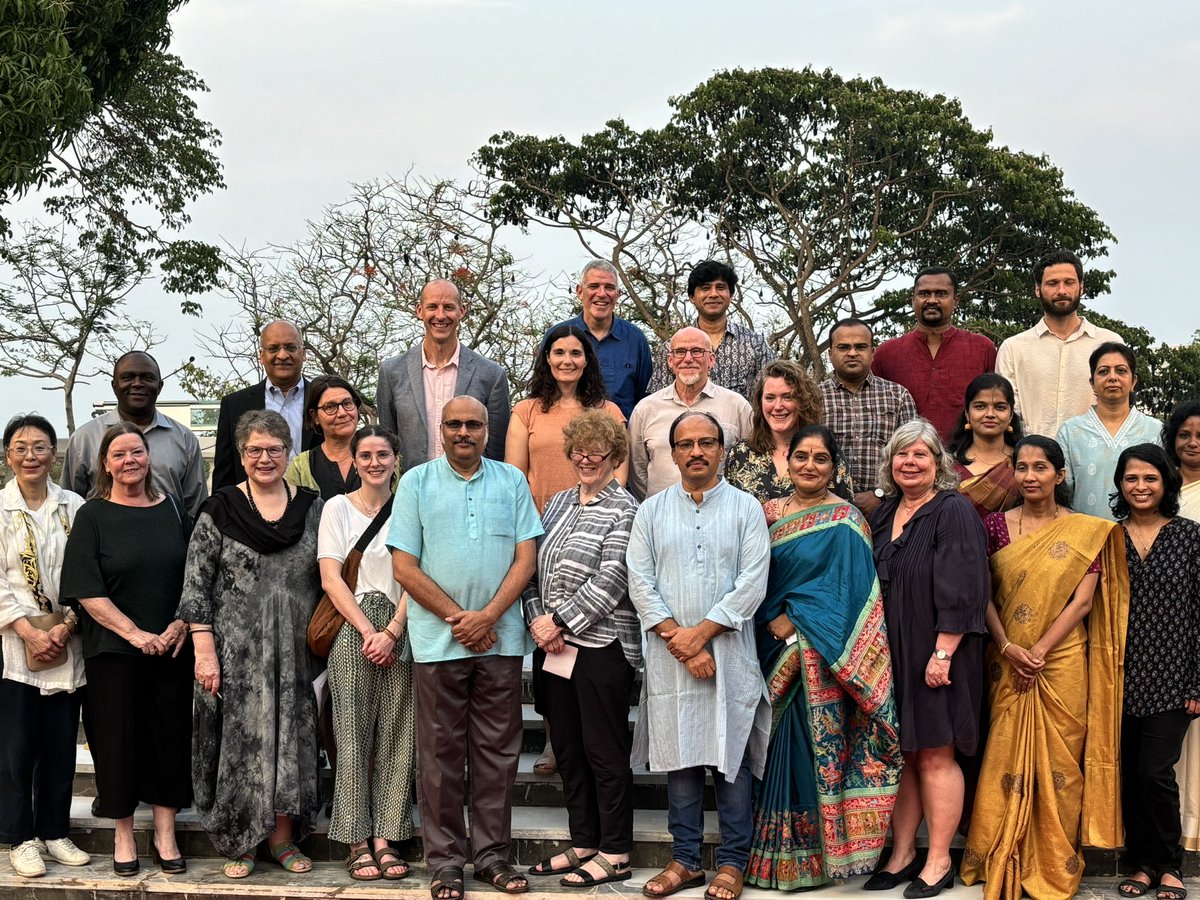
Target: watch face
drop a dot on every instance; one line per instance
(942, 654)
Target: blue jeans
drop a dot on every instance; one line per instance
(685, 815)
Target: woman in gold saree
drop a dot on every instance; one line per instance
(1055, 689)
(982, 445)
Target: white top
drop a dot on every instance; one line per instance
(1050, 375)
(342, 524)
(16, 599)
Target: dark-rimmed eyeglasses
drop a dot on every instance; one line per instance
(593, 458)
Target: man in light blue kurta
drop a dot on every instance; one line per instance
(698, 559)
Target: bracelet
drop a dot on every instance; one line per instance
(200, 629)
(388, 631)
(1007, 644)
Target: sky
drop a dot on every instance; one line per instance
(312, 95)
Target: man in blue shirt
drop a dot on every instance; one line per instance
(625, 361)
(462, 535)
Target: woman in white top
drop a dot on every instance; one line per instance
(370, 686)
(43, 666)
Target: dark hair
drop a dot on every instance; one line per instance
(817, 430)
(1157, 457)
(809, 404)
(1059, 257)
(317, 387)
(1170, 432)
(851, 323)
(687, 415)
(29, 420)
(962, 438)
(128, 353)
(937, 270)
(711, 270)
(542, 386)
(1054, 453)
(104, 481)
(1112, 347)
(368, 431)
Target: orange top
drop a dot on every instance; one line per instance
(549, 469)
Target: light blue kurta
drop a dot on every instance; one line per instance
(692, 562)
(1092, 453)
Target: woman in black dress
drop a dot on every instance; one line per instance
(931, 554)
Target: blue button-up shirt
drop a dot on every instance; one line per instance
(625, 361)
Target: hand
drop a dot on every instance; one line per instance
(557, 645)
(379, 648)
(702, 665)
(176, 636)
(1192, 707)
(684, 643)
(544, 631)
(937, 672)
(470, 627)
(208, 672)
(781, 627)
(42, 643)
(1023, 683)
(149, 644)
(483, 644)
(1023, 661)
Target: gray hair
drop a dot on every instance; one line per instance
(945, 478)
(603, 265)
(264, 421)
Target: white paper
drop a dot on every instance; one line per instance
(791, 639)
(561, 664)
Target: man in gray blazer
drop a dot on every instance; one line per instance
(415, 386)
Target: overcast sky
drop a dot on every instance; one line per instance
(311, 95)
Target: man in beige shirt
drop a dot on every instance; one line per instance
(1048, 364)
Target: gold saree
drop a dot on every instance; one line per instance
(1034, 795)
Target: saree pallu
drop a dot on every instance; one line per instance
(823, 806)
(1035, 800)
(993, 491)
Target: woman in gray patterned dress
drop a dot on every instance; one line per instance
(250, 587)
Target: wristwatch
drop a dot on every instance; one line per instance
(941, 654)
(558, 621)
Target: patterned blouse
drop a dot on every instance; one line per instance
(755, 474)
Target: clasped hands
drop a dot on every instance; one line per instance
(689, 646)
(170, 641)
(1027, 665)
(546, 634)
(473, 629)
(47, 645)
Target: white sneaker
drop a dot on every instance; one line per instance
(65, 852)
(26, 861)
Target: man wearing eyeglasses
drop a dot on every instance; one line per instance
(282, 354)
(690, 357)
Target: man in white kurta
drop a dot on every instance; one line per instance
(698, 559)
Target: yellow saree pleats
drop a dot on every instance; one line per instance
(1033, 791)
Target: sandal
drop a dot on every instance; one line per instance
(729, 878)
(246, 861)
(672, 879)
(450, 880)
(546, 764)
(502, 877)
(1131, 887)
(612, 872)
(1170, 891)
(289, 856)
(388, 858)
(575, 860)
(364, 859)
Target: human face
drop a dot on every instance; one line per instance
(127, 460)
(699, 466)
(136, 382)
(440, 309)
(598, 293)
(811, 467)
(989, 413)
(1187, 445)
(851, 351)
(914, 469)
(712, 300)
(1036, 475)
(282, 354)
(464, 433)
(690, 357)
(268, 469)
(1059, 291)
(567, 360)
(30, 455)
(780, 408)
(934, 300)
(342, 422)
(1113, 380)
(1142, 487)
(375, 461)
(594, 472)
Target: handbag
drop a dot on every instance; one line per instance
(45, 623)
(326, 621)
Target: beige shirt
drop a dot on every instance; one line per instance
(439, 390)
(1050, 375)
(652, 468)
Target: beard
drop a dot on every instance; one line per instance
(689, 379)
(1058, 312)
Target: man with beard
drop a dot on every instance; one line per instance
(935, 361)
(691, 358)
(1048, 364)
(462, 536)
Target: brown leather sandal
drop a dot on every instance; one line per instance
(729, 878)
(672, 879)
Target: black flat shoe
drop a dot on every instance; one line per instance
(176, 866)
(125, 869)
(919, 889)
(886, 881)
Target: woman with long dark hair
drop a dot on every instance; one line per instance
(983, 443)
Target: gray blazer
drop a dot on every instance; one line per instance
(400, 401)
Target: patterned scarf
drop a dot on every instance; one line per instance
(29, 559)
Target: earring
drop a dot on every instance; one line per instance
(967, 427)
(1010, 428)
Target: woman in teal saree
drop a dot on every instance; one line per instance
(825, 800)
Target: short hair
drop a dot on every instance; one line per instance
(711, 270)
(922, 430)
(937, 270)
(1112, 347)
(1053, 452)
(962, 438)
(29, 420)
(1170, 432)
(596, 428)
(687, 414)
(602, 264)
(1157, 457)
(851, 323)
(264, 421)
(1060, 257)
(809, 403)
(317, 387)
(104, 481)
(128, 353)
(542, 386)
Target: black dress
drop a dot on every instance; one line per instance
(935, 578)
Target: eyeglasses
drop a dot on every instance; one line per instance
(274, 452)
(685, 352)
(366, 457)
(578, 456)
(469, 424)
(705, 444)
(272, 349)
(331, 408)
(20, 450)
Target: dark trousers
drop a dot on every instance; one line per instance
(1150, 748)
(469, 714)
(589, 727)
(37, 762)
(138, 714)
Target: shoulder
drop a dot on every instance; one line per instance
(62, 497)
(628, 331)
(396, 366)
(503, 472)
(725, 398)
(524, 409)
(613, 410)
(977, 341)
(90, 431)
(482, 363)
(244, 397)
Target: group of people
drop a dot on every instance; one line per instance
(948, 584)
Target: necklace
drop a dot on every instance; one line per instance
(1140, 542)
(1021, 518)
(792, 499)
(910, 508)
(254, 506)
(368, 511)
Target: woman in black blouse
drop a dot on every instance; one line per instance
(1162, 664)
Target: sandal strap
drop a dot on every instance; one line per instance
(672, 875)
